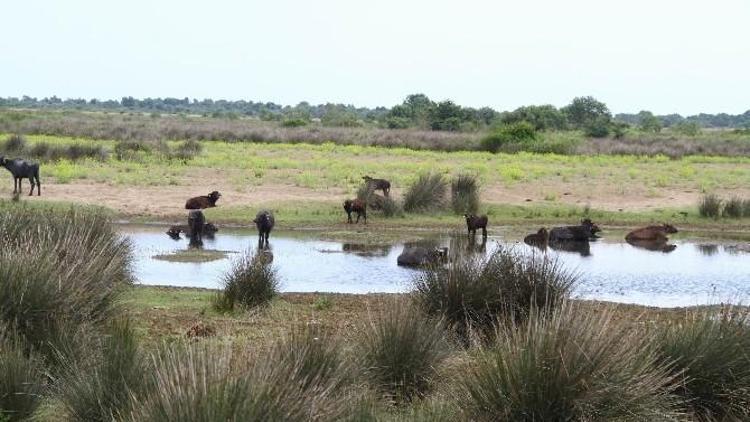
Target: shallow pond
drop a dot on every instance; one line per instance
(691, 274)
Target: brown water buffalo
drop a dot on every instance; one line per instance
(539, 239)
(196, 223)
(651, 233)
(358, 206)
(474, 222)
(201, 202)
(378, 184)
(264, 221)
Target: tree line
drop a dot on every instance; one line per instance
(416, 111)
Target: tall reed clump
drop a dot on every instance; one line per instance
(569, 365)
(399, 351)
(14, 144)
(386, 204)
(207, 382)
(427, 193)
(473, 293)
(733, 208)
(60, 272)
(22, 378)
(709, 206)
(709, 357)
(101, 386)
(251, 282)
(465, 194)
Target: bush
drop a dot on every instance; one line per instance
(397, 122)
(426, 193)
(569, 365)
(746, 208)
(473, 293)
(709, 206)
(598, 128)
(294, 122)
(510, 137)
(21, 378)
(399, 351)
(687, 128)
(465, 194)
(252, 281)
(128, 150)
(386, 204)
(101, 387)
(733, 208)
(188, 150)
(709, 355)
(14, 144)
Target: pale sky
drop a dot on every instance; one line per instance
(667, 56)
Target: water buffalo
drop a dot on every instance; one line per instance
(539, 239)
(22, 169)
(201, 202)
(584, 232)
(419, 256)
(651, 233)
(378, 184)
(196, 223)
(355, 205)
(474, 222)
(264, 221)
(209, 229)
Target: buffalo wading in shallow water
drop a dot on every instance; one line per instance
(420, 256)
(202, 202)
(209, 230)
(540, 239)
(651, 233)
(584, 232)
(22, 169)
(358, 206)
(378, 184)
(474, 222)
(264, 221)
(196, 223)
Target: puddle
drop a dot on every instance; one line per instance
(693, 273)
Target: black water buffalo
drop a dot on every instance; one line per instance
(358, 206)
(196, 224)
(22, 169)
(209, 229)
(583, 232)
(419, 256)
(201, 202)
(474, 222)
(378, 184)
(539, 239)
(264, 221)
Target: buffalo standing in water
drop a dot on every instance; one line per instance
(474, 222)
(264, 221)
(196, 224)
(540, 239)
(22, 169)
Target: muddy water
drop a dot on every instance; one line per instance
(692, 273)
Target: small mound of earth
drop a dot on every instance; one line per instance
(193, 255)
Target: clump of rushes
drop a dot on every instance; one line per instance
(709, 357)
(426, 193)
(22, 381)
(569, 365)
(709, 206)
(251, 282)
(473, 293)
(733, 208)
(399, 351)
(465, 194)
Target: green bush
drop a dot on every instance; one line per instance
(709, 206)
(687, 128)
(22, 381)
(101, 386)
(709, 356)
(733, 208)
(472, 294)
(14, 144)
(426, 193)
(375, 202)
(569, 366)
(510, 137)
(465, 194)
(746, 208)
(399, 351)
(294, 122)
(397, 122)
(252, 281)
(188, 150)
(599, 127)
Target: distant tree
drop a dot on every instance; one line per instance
(598, 127)
(487, 115)
(446, 116)
(507, 136)
(587, 111)
(647, 122)
(687, 128)
(543, 117)
(128, 102)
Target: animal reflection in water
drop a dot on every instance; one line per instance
(366, 251)
(567, 239)
(652, 238)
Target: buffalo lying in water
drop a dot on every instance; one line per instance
(420, 256)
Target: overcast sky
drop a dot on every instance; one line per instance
(667, 56)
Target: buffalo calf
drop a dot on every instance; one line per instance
(357, 206)
(474, 222)
(201, 202)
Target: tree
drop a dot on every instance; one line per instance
(543, 117)
(446, 116)
(586, 111)
(648, 122)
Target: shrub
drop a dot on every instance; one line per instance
(426, 193)
(687, 128)
(709, 206)
(397, 122)
(294, 122)
(252, 281)
(128, 150)
(510, 137)
(399, 351)
(733, 208)
(101, 386)
(386, 204)
(598, 127)
(21, 378)
(710, 357)
(569, 365)
(746, 208)
(14, 144)
(187, 150)
(473, 293)
(465, 194)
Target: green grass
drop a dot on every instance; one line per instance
(193, 255)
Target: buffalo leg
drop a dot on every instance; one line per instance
(16, 184)
(31, 182)
(38, 186)
(484, 232)
(364, 214)
(349, 217)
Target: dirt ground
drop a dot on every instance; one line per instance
(158, 201)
